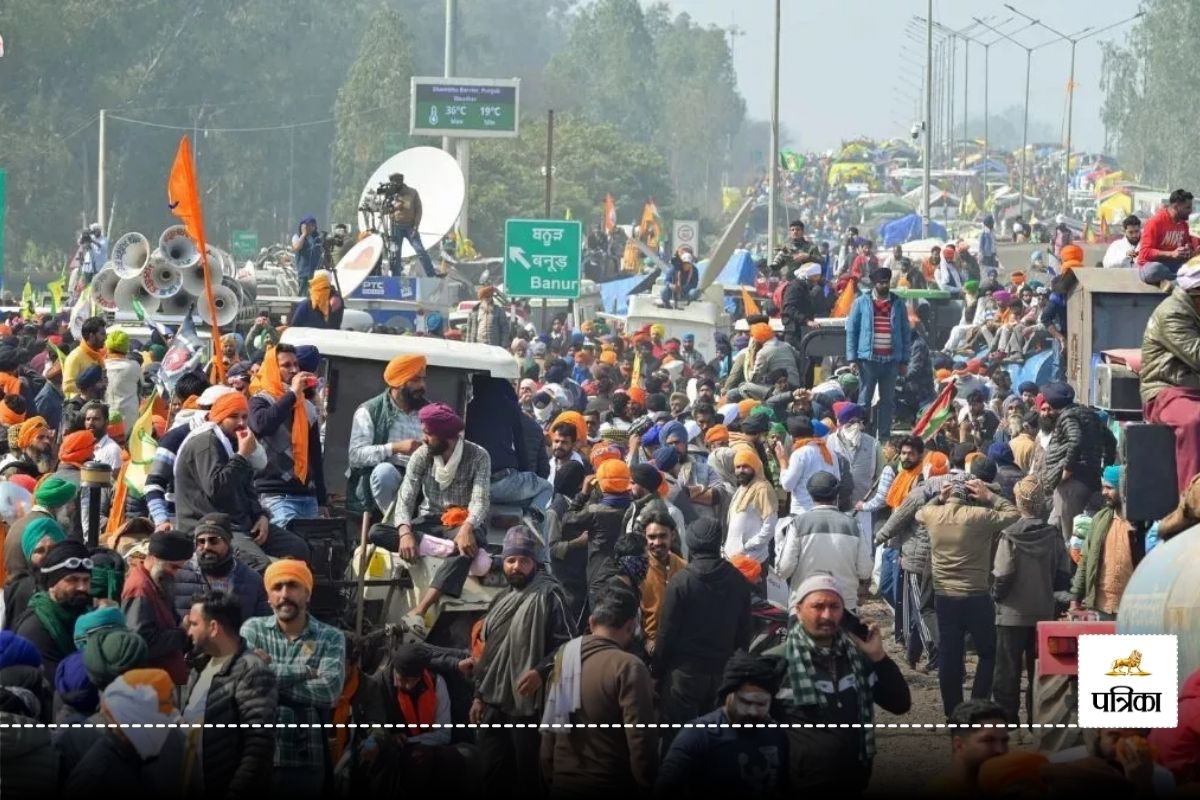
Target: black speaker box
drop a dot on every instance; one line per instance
(1151, 488)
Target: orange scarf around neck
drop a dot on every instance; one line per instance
(268, 380)
(905, 480)
(819, 442)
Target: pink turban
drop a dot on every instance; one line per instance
(440, 420)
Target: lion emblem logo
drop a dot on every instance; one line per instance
(1128, 666)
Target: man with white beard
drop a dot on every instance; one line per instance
(861, 449)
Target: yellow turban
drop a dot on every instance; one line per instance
(402, 369)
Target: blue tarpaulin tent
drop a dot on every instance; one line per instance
(615, 294)
(739, 270)
(907, 229)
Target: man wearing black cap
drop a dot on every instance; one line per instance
(1075, 457)
(704, 617)
(49, 620)
(878, 337)
(148, 601)
(213, 568)
(716, 759)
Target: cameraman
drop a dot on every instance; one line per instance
(93, 252)
(307, 245)
(404, 202)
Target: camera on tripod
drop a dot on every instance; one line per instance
(86, 238)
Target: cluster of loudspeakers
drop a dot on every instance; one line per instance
(169, 279)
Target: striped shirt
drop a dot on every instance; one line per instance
(881, 344)
(310, 669)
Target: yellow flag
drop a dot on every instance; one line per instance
(56, 294)
(749, 303)
(635, 375)
(27, 310)
(141, 446)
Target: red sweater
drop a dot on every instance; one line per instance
(1161, 234)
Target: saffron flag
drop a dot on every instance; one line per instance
(635, 375)
(845, 300)
(610, 213)
(938, 412)
(1103, 228)
(650, 229)
(183, 198)
(749, 304)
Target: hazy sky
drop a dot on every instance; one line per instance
(841, 62)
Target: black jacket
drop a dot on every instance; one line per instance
(208, 480)
(247, 586)
(238, 761)
(603, 525)
(266, 420)
(535, 446)
(1080, 443)
(113, 767)
(705, 616)
(798, 305)
(494, 423)
(30, 626)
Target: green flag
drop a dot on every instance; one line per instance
(791, 160)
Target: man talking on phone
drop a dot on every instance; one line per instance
(835, 678)
(214, 473)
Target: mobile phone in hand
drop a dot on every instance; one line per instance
(852, 624)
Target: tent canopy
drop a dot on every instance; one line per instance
(907, 229)
(739, 270)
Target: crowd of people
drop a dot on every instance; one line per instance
(702, 527)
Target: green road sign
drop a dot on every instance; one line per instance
(243, 244)
(2, 209)
(466, 108)
(541, 257)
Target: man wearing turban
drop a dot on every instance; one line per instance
(384, 434)
(123, 376)
(51, 496)
(1079, 447)
(488, 323)
(214, 473)
(446, 471)
(35, 453)
(1106, 561)
(322, 308)
(753, 510)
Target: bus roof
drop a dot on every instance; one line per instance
(496, 361)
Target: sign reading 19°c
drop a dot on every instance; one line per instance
(541, 257)
(465, 108)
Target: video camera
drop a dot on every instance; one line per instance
(392, 187)
(86, 238)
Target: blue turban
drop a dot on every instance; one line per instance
(73, 685)
(1112, 476)
(670, 429)
(308, 358)
(819, 428)
(1001, 453)
(577, 338)
(651, 436)
(18, 651)
(666, 458)
(557, 372)
(308, 219)
(1059, 395)
(89, 377)
(850, 411)
(1028, 386)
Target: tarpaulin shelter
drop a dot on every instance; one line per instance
(907, 229)
(739, 270)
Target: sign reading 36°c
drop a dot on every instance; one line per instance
(541, 257)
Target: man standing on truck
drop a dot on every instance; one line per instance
(384, 434)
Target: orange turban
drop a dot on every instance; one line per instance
(485, 292)
(572, 418)
(1072, 256)
(943, 374)
(746, 406)
(402, 369)
(156, 679)
(227, 404)
(30, 428)
(8, 416)
(77, 448)
(604, 451)
(744, 456)
(717, 434)
(613, 476)
(1013, 770)
(936, 464)
(761, 332)
(454, 517)
(609, 357)
(1018, 278)
(638, 395)
(751, 570)
(288, 569)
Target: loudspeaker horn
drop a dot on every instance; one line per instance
(193, 279)
(226, 301)
(175, 306)
(131, 255)
(130, 289)
(178, 248)
(104, 286)
(161, 278)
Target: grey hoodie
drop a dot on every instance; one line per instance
(1030, 563)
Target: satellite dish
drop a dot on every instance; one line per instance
(358, 262)
(437, 177)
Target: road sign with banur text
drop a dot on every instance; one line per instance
(542, 257)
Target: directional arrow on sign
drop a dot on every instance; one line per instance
(517, 254)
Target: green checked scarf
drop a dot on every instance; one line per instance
(798, 649)
(57, 620)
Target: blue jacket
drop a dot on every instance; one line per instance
(247, 587)
(860, 330)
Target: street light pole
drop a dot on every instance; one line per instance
(928, 116)
(1025, 134)
(774, 159)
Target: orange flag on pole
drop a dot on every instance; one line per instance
(610, 213)
(841, 308)
(749, 303)
(183, 198)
